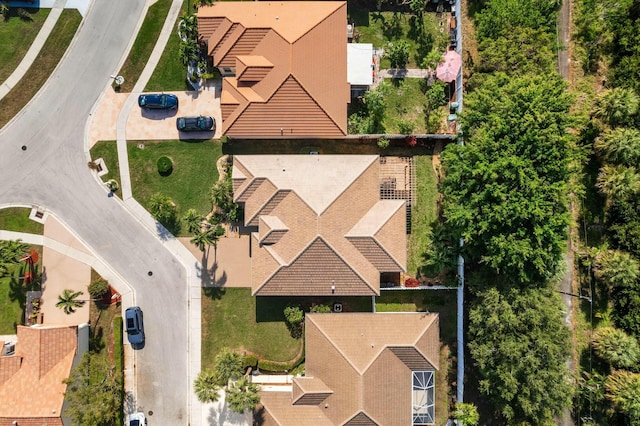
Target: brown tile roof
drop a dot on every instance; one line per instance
(291, 67)
(360, 368)
(34, 394)
(321, 223)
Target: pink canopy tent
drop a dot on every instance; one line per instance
(448, 69)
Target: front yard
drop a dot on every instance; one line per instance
(17, 219)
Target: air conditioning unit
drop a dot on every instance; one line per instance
(9, 348)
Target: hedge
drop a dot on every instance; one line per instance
(118, 354)
(279, 367)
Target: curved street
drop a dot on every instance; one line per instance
(51, 171)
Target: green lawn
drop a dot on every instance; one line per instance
(13, 294)
(108, 151)
(229, 320)
(423, 214)
(17, 219)
(380, 28)
(194, 172)
(144, 44)
(404, 101)
(43, 66)
(170, 74)
(16, 37)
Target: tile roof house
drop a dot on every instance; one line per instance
(322, 228)
(31, 388)
(284, 66)
(362, 369)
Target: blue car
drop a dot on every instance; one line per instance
(158, 101)
(134, 326)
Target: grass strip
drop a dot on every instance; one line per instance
(118, 354)
(144, 44)
(42, 67)
(424, 213)
(108, 151)
(16, 37)
(17, 219)
(170, 74)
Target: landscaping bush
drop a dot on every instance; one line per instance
(249, 361)
(279, 367)
(293, 315)
(383, 143)
(320, 309)
(98, 288)
(165, 165)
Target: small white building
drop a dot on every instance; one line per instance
(360, 67)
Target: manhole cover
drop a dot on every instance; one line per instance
(150, 273)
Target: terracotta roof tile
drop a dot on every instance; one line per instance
(306, 91)
(36, 389)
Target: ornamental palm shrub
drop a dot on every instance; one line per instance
(206, 386)
(228, 365)
(620, 146)
(616, 347)
(242, 396)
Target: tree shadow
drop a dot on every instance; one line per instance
(214, 293)
(96, 342)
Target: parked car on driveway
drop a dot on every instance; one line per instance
(134, 325)
(195, 124)
(158, 101)
(136, 419)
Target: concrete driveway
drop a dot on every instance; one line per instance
(155, 124)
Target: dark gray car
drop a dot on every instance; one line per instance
(134, 326)
(195, 124)
(158, 101)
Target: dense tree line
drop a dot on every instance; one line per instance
(506, 194)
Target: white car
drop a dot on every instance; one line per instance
(136, 419)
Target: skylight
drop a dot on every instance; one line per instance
(423, 398)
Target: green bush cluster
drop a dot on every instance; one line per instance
(165, 165)
(249, 361)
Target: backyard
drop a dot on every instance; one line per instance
(382, 28)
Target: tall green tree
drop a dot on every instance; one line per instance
(499, 16)
(242, 396)
(164, 210)
(518, 51)
(207, 237)
(520, 345)
(617, 348)
(398, 53)
(68, 301)
(505, 191)
(206, 386)
(94, 392)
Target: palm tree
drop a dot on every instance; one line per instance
(208, 237)
(242, 396)
(618, 181)
(228, 365)
(623, 389)
(11, 253)
(616, 106)
(68, 301)
(616, 347)
(206, 386)
(193, 220)
(620, 146)
(617, 268)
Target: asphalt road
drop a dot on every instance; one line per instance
(52, 172)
